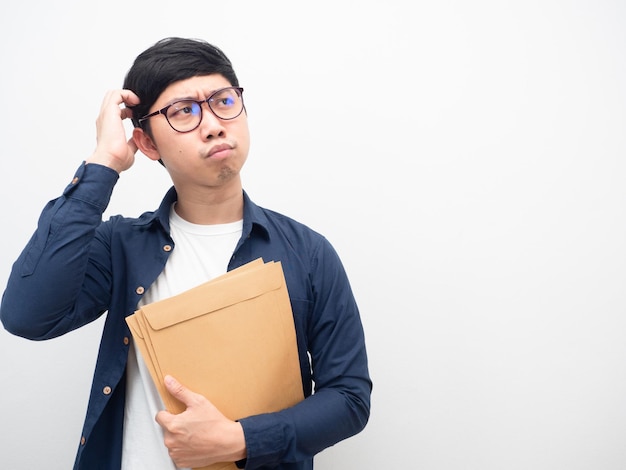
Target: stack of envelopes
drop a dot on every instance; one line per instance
(231, 339)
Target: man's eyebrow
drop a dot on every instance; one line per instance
(182, 98)
(193, 98)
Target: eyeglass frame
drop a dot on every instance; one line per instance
(163, 110)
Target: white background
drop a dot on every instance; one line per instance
(466, 159)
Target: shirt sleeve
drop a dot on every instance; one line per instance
(59, 282)
(340, 404)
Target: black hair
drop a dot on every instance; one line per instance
(170, 60)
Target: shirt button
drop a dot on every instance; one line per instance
(126, 340)
(106, 390)
(167, 247)
(75, 180)
(140, 290)
(82, 441)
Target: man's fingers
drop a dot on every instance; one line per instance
(129, 98)
(178, 390)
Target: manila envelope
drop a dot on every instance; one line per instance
(231, 339)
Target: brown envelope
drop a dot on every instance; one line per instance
(231, 339)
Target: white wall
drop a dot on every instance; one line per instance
(470, 173)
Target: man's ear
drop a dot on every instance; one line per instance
(145, 144)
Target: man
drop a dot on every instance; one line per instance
(187, 107)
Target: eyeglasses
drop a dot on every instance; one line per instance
(186, 115)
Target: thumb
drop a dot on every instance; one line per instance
(179, 391)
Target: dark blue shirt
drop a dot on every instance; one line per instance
(76, 268)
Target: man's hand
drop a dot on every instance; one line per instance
(201, 435)
(113, 149)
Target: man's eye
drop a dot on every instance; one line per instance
(183, 109)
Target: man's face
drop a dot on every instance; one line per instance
(211, 155)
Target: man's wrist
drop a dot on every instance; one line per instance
(238, 441)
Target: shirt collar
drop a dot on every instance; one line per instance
(254, 217)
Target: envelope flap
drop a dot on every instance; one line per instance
(214, 295)
(131, 321)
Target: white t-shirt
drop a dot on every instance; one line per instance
(201, 253)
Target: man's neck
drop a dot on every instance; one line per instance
(211, 207)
